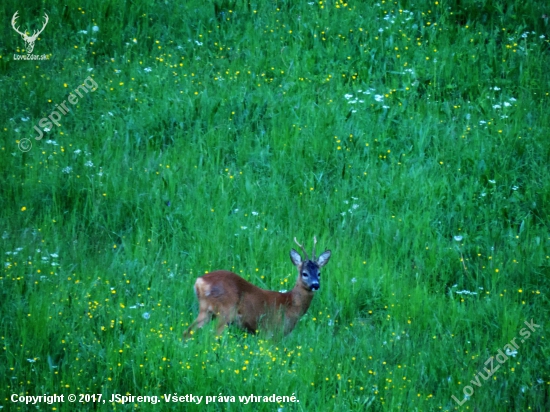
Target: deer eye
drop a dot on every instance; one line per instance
(304, 274)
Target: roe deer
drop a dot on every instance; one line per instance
(228, 296)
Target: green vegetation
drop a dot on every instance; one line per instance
(411, 137)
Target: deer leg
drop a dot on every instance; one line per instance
(225, 318)
(204, 317)
(222, 323)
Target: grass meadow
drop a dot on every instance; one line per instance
(411, 137)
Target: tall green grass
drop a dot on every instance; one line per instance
(410, 137)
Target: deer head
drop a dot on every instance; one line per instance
(29, 40)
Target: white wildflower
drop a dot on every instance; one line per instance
(511, 353)
(465, 292)
(146, 315)
(458, 238)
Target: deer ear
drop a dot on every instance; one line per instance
(324, 258)
(295, 257)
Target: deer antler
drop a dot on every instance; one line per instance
(303, 250)
(35, 35)
(13, 20)
(314, 242)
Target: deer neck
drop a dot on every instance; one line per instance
(301, 298)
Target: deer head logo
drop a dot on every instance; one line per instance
(29, 40)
